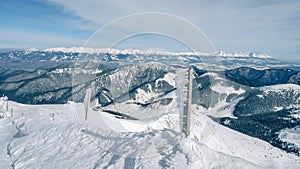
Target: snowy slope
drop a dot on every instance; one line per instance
(33, 139)
(291, 135)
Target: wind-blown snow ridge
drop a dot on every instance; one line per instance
(152, 51)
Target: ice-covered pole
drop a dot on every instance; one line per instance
(187, 104)
(87, 102)
(6, 104)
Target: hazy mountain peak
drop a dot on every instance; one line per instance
(242, 54)
(152, 52)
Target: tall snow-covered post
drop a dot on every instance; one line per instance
(87, 100)
(187, 105)
(11, 112)
(7, 104)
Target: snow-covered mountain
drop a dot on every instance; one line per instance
(112, 51)
(148, 52)
(57, 56)
(245, 109)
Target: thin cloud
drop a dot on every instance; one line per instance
(263, 26)
(29, 39)
(231, 25)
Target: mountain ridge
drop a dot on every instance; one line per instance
(145, 52)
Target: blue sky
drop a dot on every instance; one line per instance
(269, 26)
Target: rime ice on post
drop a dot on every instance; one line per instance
(6, 99)
(87, 100)
(187, 104)
(11, 112)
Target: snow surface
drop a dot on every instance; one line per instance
(280, 88)
(32, 138)
(226, 90)
(291, 135)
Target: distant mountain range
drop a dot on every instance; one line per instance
(47, 58)
(112, 51)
